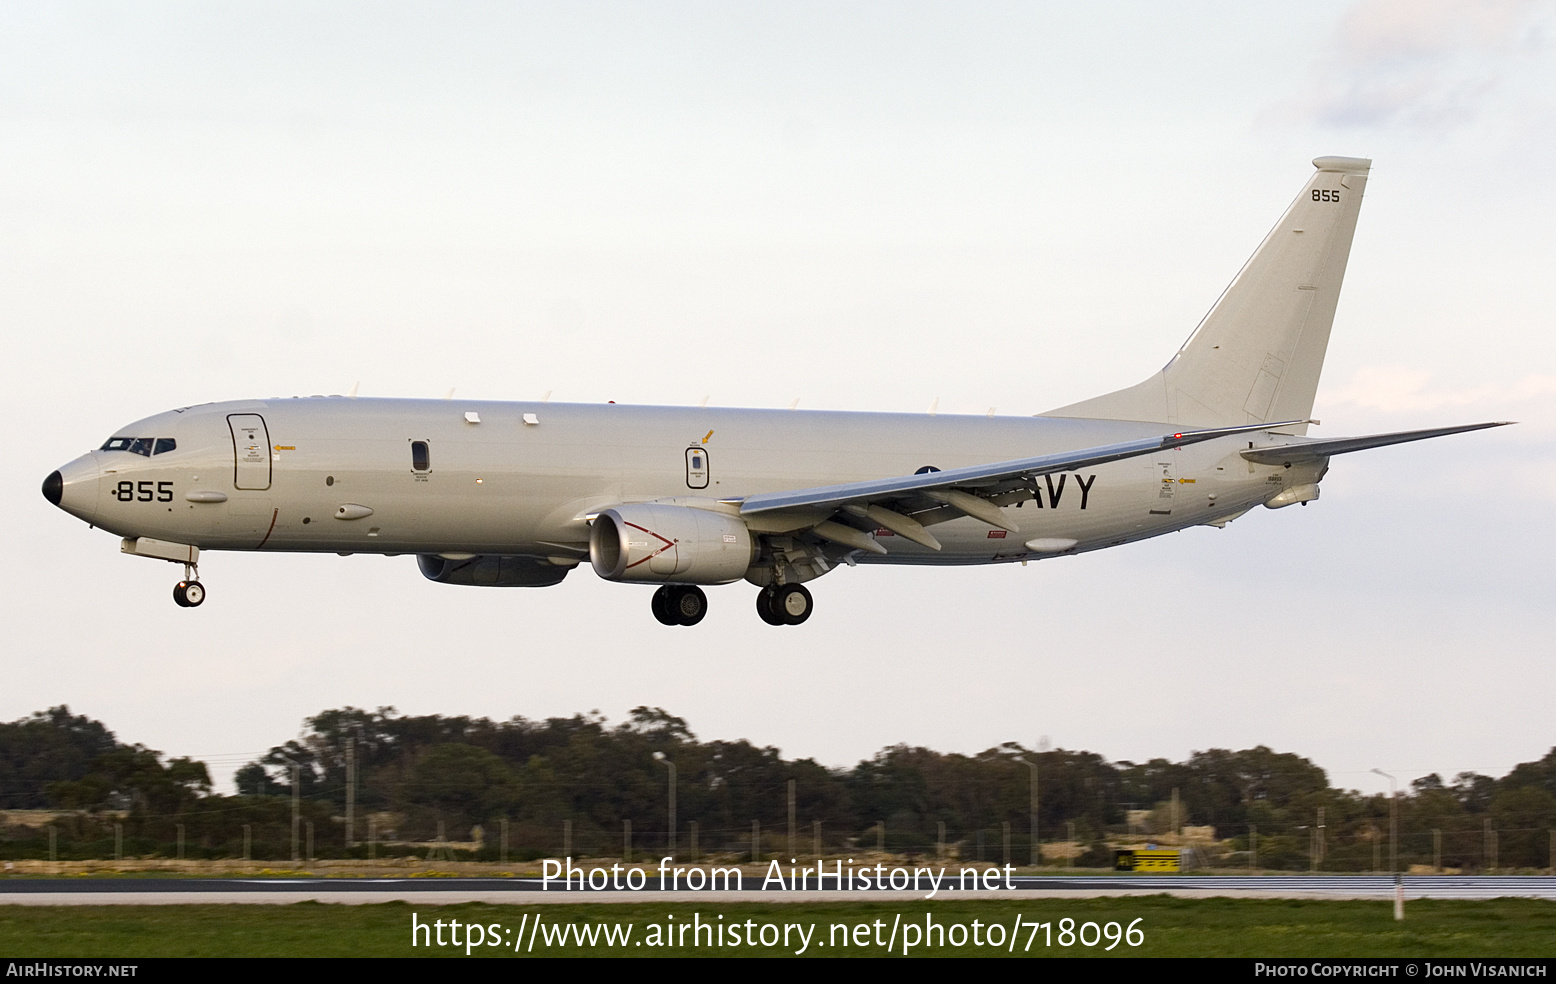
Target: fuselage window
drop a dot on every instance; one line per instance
(164, 445)
(421, 458)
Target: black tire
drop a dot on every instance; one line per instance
(178, 594)
(688, 604)
(194, 594)
(661, 606)
(764, 605)
(793, 604)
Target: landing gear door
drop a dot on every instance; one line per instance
(250, 451)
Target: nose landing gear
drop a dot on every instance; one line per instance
(189, 593)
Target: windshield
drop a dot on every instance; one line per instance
(147, 446)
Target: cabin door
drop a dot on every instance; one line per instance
(250, 451)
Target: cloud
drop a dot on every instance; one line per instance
(1395, 29)
(1401, 389)
(1420, 64)
(1390, 398)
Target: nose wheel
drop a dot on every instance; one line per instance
(189, 593)
(784, 604)
(679, 604)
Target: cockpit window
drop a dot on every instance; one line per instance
(134, 445)
(147, 446)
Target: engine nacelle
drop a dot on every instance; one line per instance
(1293, 495)
(650, 541)
(492, 571)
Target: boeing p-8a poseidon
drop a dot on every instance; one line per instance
(518, 494)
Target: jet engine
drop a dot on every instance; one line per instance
(655, 542)
(492, 571)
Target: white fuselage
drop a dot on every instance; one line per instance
(340, 475)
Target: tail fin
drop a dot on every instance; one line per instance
(1257, 355)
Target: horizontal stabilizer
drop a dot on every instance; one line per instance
(1290, 454)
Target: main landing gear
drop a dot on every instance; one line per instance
(685, 604)
(680, 604)
(784, 604)
(189, 593)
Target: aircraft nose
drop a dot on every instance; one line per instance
(73, 487)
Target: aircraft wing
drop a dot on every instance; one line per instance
(1287, 454)
(947, 482)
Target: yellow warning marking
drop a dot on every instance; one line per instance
(285, 447)
(1187, 481)
(1148, 859)
(706, 436)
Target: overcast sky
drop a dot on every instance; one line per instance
(862, 205)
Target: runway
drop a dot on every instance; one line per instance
(531, 891)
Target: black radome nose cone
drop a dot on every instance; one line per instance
(54, 488)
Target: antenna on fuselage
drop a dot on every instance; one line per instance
(352, 394)
(450, 394)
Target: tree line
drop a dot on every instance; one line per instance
(407, 777)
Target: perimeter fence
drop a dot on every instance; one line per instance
(279, 828)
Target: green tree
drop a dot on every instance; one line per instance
(463, 784)
(49, 747)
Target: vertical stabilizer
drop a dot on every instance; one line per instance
(1257, 355)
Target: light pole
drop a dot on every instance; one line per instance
(351, 792)
(353, 745)
(1037, 858)
(1399, 885)
(1393, 821)
(665, 760)
(297, 782)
